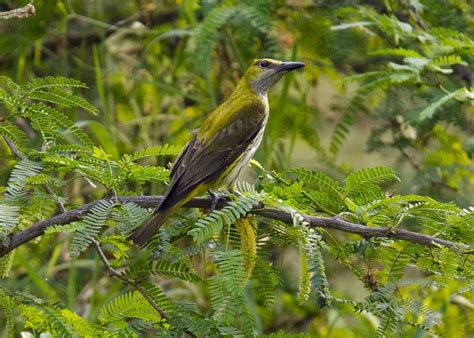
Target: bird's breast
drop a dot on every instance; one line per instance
(232, 173)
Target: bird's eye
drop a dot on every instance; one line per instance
(263, 64)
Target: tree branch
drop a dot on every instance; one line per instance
(150, 16)
(135, 284)
(19, 13)
(38, 228)
(14, 150)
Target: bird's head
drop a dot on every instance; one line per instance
(263, 74)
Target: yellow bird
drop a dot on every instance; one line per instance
(223, 145)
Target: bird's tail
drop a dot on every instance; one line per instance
(144, 233)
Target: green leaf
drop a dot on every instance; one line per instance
(325, 201)
(341, 131)
(358, 181)
(14, 134)
(50, 120)
(232, 270)
(51, 82)
(141, 174)
(91, 226)
(213, 223)
(164, 150)
(62, 98)
(9, 83)
(430, 110)
(21, 173)
(129, 305)
(9, 219)
(164, 268)
(7, 305)
(321, 181)
(396, 52)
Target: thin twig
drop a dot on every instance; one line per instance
(13, 148)
(53, 194)
(109, 267)
(19, 13)
(335, 223)
(135, 284)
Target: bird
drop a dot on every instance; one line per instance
(222, 146)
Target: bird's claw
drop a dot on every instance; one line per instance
(216, 197)
(229, 195)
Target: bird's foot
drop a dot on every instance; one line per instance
(232, 191)
(216, 197)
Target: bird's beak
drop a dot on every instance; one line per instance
(289, 66)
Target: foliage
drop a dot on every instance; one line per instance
(401, 74)
(419, 88)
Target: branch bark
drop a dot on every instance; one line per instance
(149, 16)
(13, 148)
(335, 223)
(19, 13)
(135, 284)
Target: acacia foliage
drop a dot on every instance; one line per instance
(220, 273)
(226, 254)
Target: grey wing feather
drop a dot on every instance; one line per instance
(183, 158)
(200, 164)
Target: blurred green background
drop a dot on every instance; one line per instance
(155, 69)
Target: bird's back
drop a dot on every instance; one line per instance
(228, 138)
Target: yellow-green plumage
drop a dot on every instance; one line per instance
(224, 144)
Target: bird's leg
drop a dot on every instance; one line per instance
(232, 192)
(215, 198)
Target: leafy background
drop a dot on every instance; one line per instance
(387, 84)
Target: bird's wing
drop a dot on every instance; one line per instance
(183, 158)
(205, 158)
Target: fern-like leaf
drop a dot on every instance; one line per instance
(136, 173)
(6, 263)
(340, 132)
(159, 297)
(128, 305)
(213, 223)
(397, 52)
(18, 178)
(162, 267)
(358, 181)
(7, 305)
(321, 181)
(9, 215)
(319, 282)
(221, 302)
(265, 280)
(47, 119)
(51, 82)
(91, 226)
(430, 110)
(62, 98)
(164, 150)
(207, 32)
(14, 134)
(231, 269)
